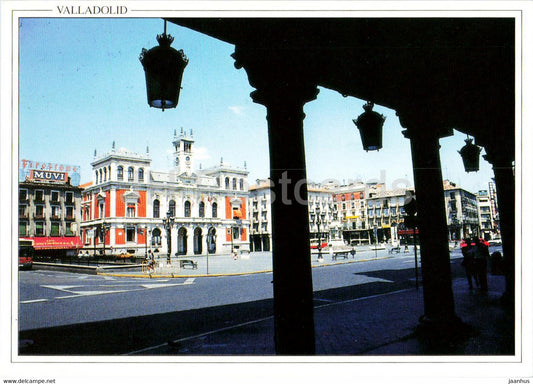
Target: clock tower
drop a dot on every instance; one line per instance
(183, 153)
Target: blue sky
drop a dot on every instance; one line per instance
(82, 87)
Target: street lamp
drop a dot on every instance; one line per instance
(370, 124)
(102, 231)
(168, 223)
(163, 67)
(470, 154)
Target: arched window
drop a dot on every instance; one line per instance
(172, 207)
(227, 182)
(105, 174)
(141, 174)
(120, 173)
(241, 184)
(234, 184)
(156, 209)
(101, 179)
(130, 174)
(96, 176)
(187, 209)
(201, 209)
(214, 210)
(156, 237)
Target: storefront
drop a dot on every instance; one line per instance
(53, 247)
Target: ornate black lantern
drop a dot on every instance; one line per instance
(370, 124)
(163, 67)
(470, 154)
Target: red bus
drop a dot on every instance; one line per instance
(26, 252)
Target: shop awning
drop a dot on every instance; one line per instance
(406, 231)
(60, 242)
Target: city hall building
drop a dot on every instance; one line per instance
(130, 208)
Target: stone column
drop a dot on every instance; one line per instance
(439, 317)
(502, 164)
(284, 93)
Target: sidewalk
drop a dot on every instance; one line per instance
(382, 325)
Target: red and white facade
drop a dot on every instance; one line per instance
(130, 200)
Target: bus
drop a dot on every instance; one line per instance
(26, 252)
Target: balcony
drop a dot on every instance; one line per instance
(38, 216)
(70, 217)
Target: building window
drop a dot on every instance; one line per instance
(172, 207)
(39, 211)
(130, 174)
(23, 228)
(56, 213)
(187, 209)
(23, 194)
(68, 230)
(156, 209)
(201, 209)
(69, 197)
(130, 234)
(39, 195)
(241, 184)
(23, 211)
(54, 229)
(130, 212)
(54, 196)
(96, 176)
(101, 210)
(39, 228)
(234, 184)
(214, 212)
(120, 173)
(69, 212)
(156, 237)
(141, 174)
(227, 182)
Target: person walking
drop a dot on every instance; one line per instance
(468, 262)
(481, 257)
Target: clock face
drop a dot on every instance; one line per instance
(188, 159)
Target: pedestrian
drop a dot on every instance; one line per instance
(481, 257)
(352, 252)
(468, 262)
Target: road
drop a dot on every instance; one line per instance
(65, 313)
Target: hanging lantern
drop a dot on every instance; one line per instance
(163, 67)
(370, 126)
(470, 154)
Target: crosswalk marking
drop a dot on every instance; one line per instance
(75, 291)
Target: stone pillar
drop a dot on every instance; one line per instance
(439, 316)
(284, 94)
(502, 164)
